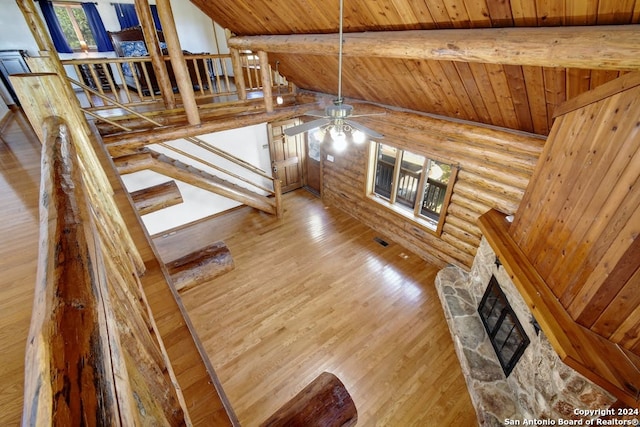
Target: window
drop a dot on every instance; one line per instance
(410, 184)
(75, 26)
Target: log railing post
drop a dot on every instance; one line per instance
(267, 84)
(238, 73)
(177, 62)
(157, 61)
(277, 190)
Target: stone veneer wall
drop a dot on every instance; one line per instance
(541, 386)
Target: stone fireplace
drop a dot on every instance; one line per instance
(540, 386)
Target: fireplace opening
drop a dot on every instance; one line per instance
(503, 327)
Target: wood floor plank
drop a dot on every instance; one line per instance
(314, 292)
(19, 187)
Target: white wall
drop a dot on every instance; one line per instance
(249, 144)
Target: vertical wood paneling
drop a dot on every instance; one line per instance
(579, 220)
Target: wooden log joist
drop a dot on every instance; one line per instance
(156, 197)
(200, 266)
(325, 402)
(601, 47)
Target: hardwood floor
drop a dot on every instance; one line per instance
(19, 186)
(312, 293)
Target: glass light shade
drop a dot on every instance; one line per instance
(279, 100)
(358, 136)
(339, 141)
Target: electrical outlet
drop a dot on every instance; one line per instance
(330, 158)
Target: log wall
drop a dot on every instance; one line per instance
(494, 167)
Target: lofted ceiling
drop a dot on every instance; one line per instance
(521, 97)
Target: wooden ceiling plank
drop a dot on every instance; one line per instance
(534, 81)
(610, 47)
(478, 13)
(524, 13)
(554, 86)
(500, 14)
(458, 13)
(550, 12)
(459, 90)
(584, 12)
(611, 12)
(469, 82)
(518, 89)
(577, 82)
(481, 75)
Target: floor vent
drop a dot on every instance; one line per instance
(380, 241)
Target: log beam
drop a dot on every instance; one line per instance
(324, 402)
(156, 197)
(602, 47)
(200, 266)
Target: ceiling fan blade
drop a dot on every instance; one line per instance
(364, 129)
(306, 126)
(368, 114)
(316, 113)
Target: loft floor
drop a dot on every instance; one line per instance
(312, 293)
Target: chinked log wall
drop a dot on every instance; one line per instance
(494, 169)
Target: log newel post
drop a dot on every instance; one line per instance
(153, 47)
(267, 84)
(236, 62)
(178, 63)
(277, 190)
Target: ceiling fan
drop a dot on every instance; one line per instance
(336, 118)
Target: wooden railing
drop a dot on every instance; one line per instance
(131, 81)
(93, 353)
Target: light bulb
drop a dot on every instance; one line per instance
(358, 137)
(279, 100)
(339, 141)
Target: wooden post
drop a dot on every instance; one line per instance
(177, 62)
(151, 40)
(267, 84)
(277, 190)
(241, 87)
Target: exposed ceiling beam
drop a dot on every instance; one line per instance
(604, 47)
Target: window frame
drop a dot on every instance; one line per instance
(415, 216)
(76, 27)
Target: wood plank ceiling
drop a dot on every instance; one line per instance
(510, 96)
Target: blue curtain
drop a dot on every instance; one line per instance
(97, 27)
(128, 17)
(59, 41)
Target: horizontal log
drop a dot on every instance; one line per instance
(599, 47)
(200, 266)
(156, 197)
(325, 402)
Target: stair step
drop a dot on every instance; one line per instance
(200, 266)
(157, 197)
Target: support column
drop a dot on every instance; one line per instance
(267, 84)
(241, 88)
(153, 47)
(177, 61)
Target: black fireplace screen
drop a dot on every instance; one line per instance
(505, 331)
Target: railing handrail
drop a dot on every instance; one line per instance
(90, 331)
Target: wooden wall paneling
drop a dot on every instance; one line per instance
(571, 191)
(622, 315)
(578, 81)
(534, 81)
(537, 209)
(604, 202)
